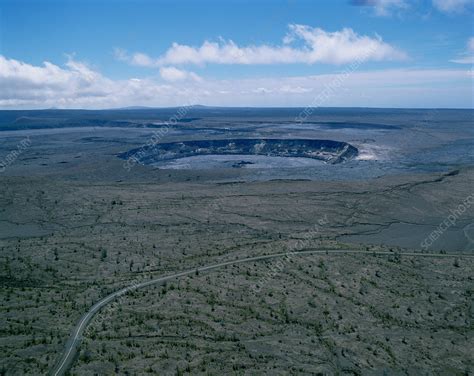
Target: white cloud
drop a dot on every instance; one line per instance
(386, 7)
(261, 90)
(138, 58)
(319, 46)
(451, 6)
(24, 80)
(468, 56)
(383, 7)
(173, 74)
(76, 85)
(295, 90)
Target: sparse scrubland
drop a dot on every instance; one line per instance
(305, 314)
(77, 224)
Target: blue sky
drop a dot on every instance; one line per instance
(96, 54)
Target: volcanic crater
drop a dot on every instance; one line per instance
(328, 151)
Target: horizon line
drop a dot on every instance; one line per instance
(199, 106)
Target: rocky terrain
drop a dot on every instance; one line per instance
(76, 225)
(70, 243)
(325, 150)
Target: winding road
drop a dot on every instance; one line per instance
(72, 345)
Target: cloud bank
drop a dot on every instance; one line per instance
(75, 85)
(318, 46)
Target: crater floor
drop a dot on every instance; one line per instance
(324, 150)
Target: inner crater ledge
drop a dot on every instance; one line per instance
(328, 151)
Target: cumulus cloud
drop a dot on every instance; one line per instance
(138, 58)
(295, 89)
(318, 46)
(468, 56)
(173, 74)
(22, 80)
(76, 85)
(382, 7)
(451, 6)
(261, 90)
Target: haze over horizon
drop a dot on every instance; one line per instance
(359, 53)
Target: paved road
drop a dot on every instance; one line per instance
(73, 343)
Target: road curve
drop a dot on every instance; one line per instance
(74, 341)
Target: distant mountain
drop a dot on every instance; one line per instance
(134, 108)
(195, 106)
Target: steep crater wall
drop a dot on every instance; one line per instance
(328, 151)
